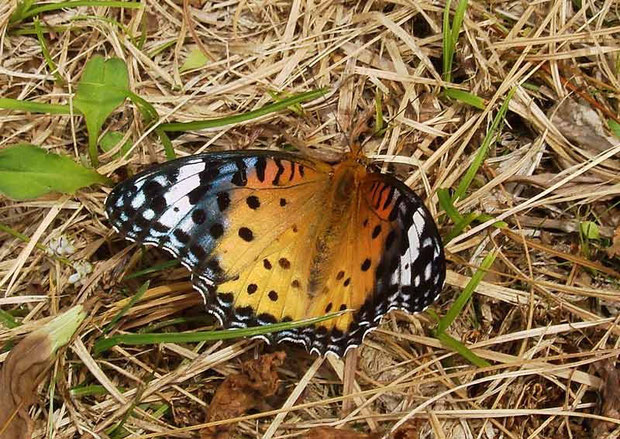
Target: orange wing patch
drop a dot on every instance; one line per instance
(271, 237)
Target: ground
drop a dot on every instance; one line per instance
(533, 351)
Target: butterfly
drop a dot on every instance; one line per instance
(274, 237)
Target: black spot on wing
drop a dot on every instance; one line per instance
(279, 172)
(261, 165)
(240, 177)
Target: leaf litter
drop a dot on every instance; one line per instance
(543, 315)
(242, 392)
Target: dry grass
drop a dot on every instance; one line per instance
(546, 313)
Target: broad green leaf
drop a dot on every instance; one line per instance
(104, 85)
(194, 60)
(113, 138)
(589, 230)
(28, 171)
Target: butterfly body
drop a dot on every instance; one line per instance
(272, 236)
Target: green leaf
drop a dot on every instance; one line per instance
(113, 138)
(150, 116)
(589, 230)
(194, 60)
(21, 10)
(614, 127)
(28, 171)
(459, 226)
(465, 97)
(46, 53)
(104, 85)
(61, 328)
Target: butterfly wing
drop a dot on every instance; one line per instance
(216, 211)
(253, 227)
(389, 256)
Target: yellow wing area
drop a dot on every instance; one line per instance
(310, 260)
(272, 237)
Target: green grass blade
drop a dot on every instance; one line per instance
(165, 140)
(483, 218)
(204, 319)
(296, 108)
(448, 47)
(34, 107)
(7, 320)
(614, 127)
(267, 109)
(445, 201)
(468, 291)
(91, 390)
(465, 97)
(74, 4)
(450, 34)
(459, 226)
(153, 269)
(484, 148)
(135, 298)
(194, 337)
(46, 53)
(458, 347)
(457, 23)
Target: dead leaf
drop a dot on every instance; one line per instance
(18, 382)
(580, 124)
(614, 249)
(24, 368)
(334, 433)
(410, 429)
(242, 392)
(610, 395)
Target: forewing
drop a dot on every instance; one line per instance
(216, 212)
